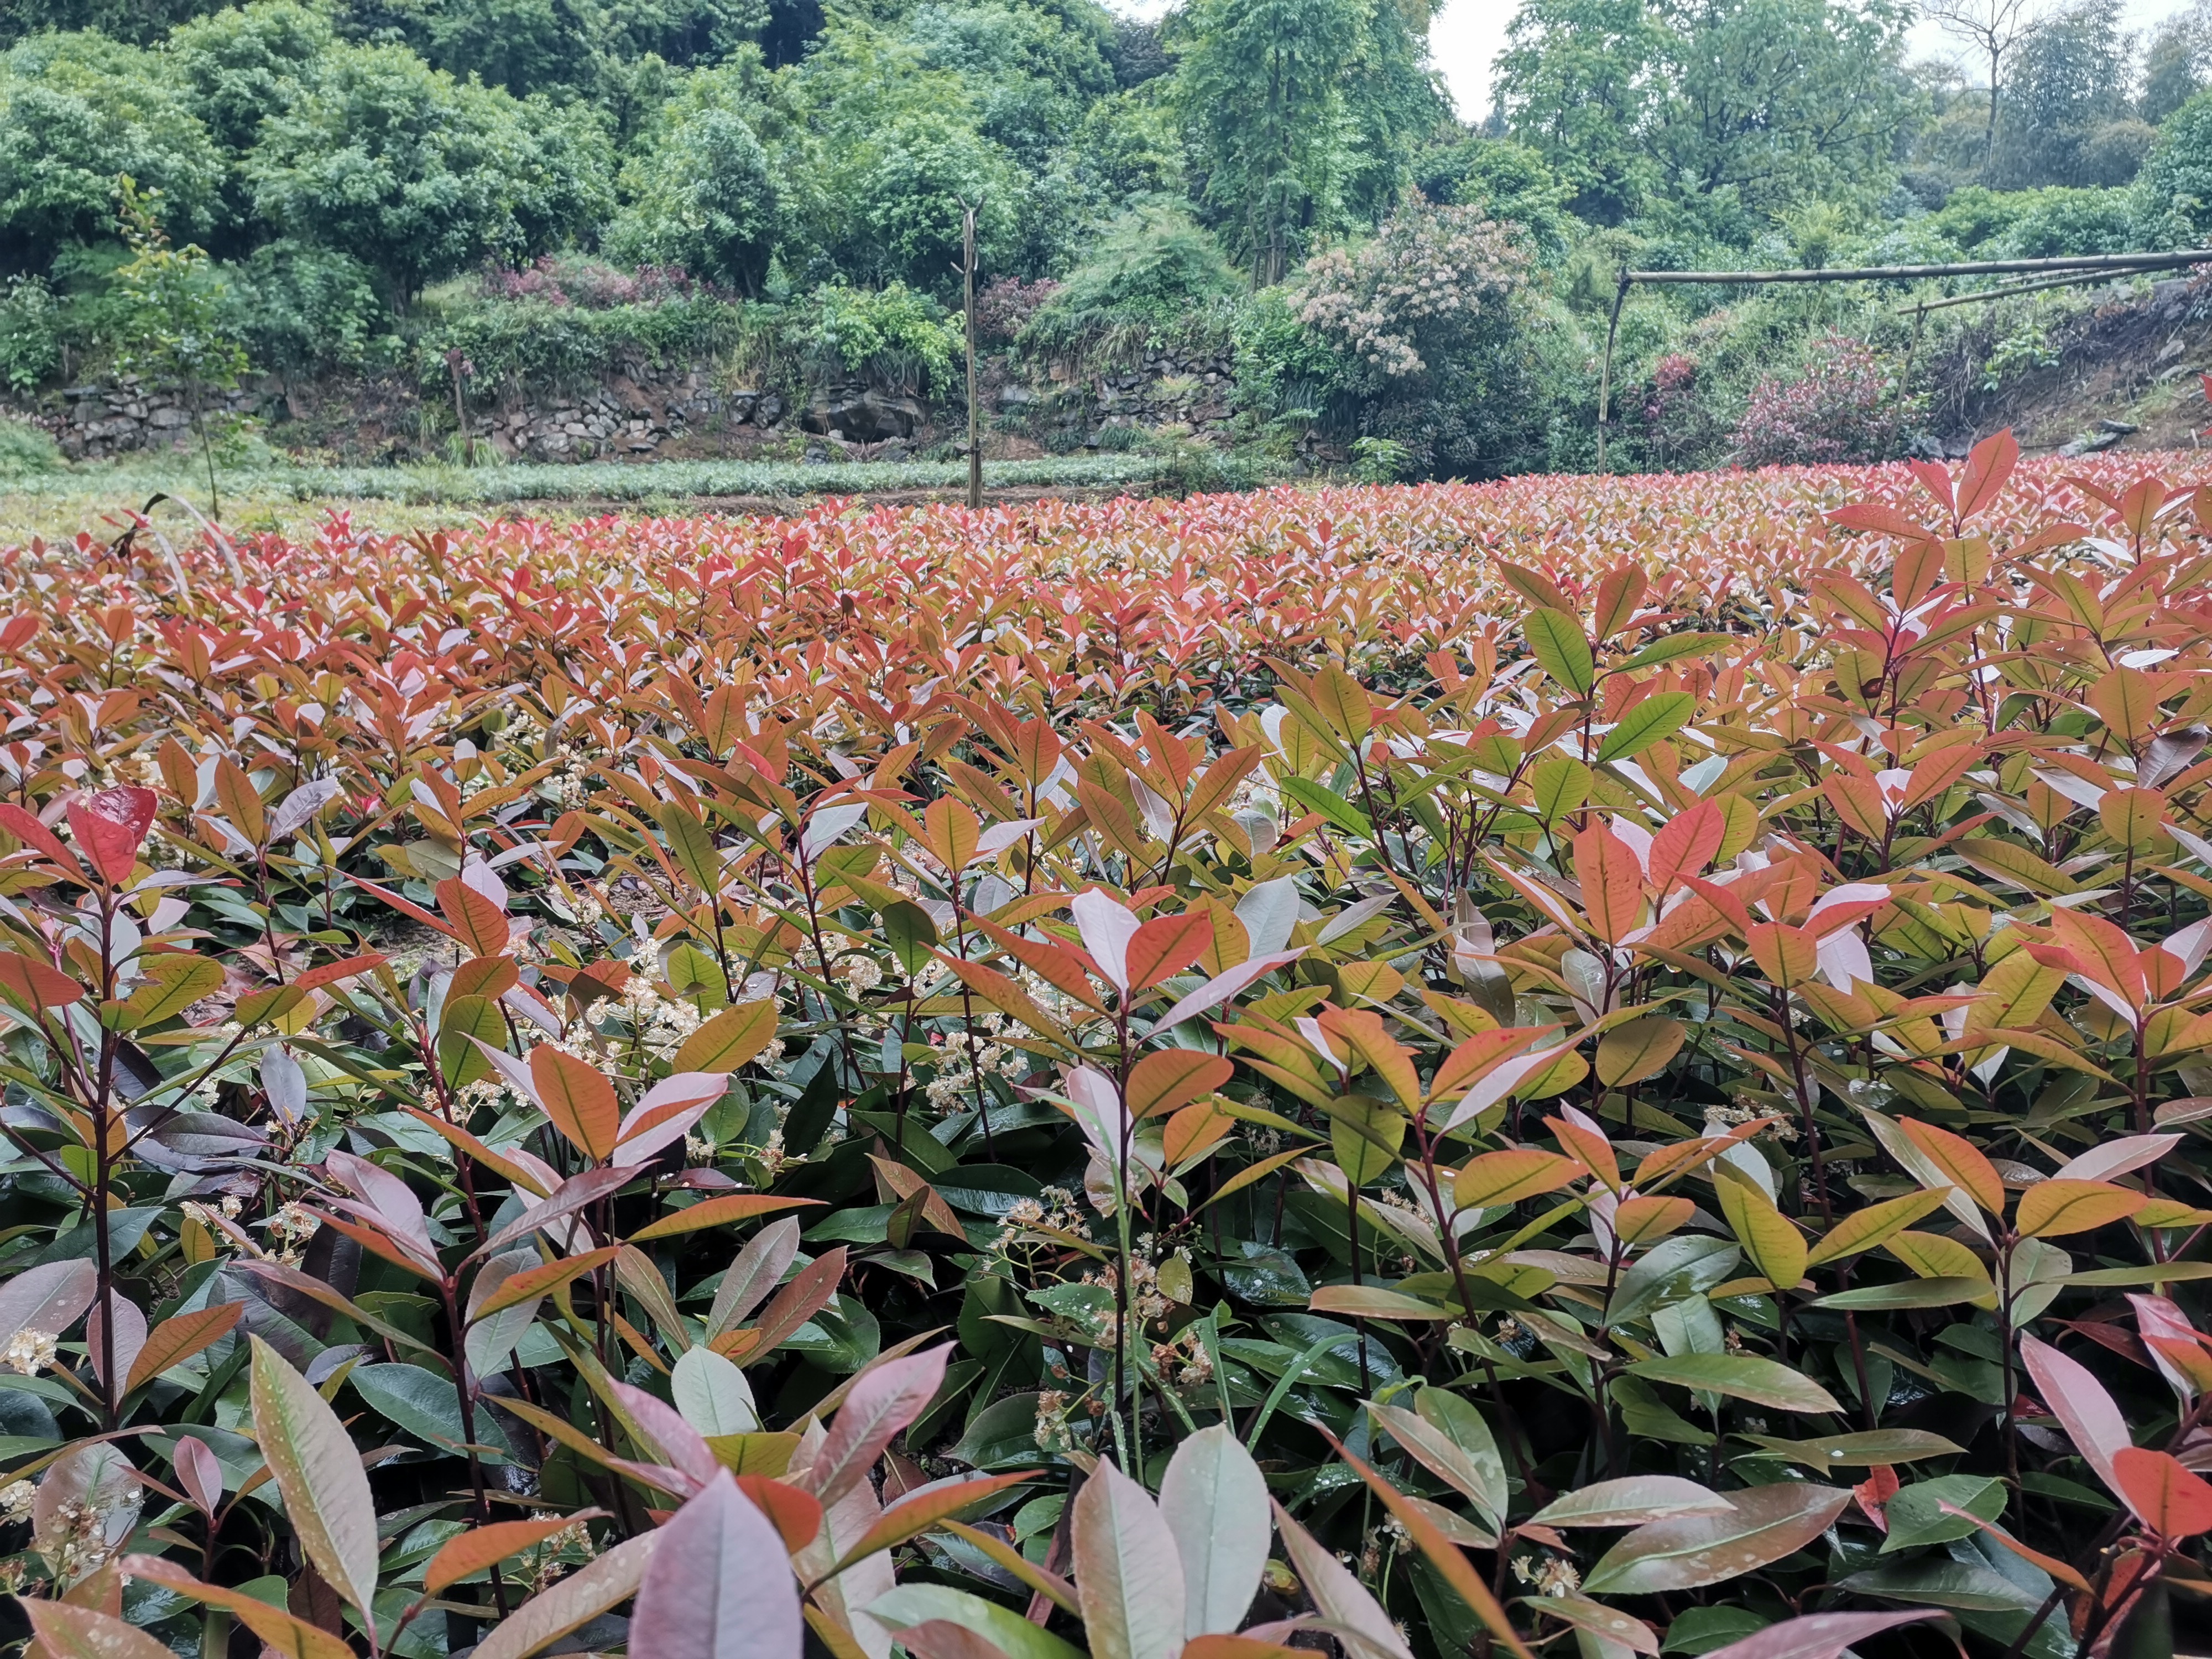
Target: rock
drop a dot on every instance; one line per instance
(165, 418)
(768, 412)
(741, 405)
(1016, 396)
(2122, 427)
(1924, 447)
(2090, 443)
(864, 416)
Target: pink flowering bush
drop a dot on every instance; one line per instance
(1841, 406)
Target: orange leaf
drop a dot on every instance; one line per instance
(476, 921)
(2051, 1208)
(1497, 1178)
(1167, 946)
(175, 1340)
(1958, 1159)
(34, 984)
(533, 1282)
(480, 1546)
(1169, 1078)
(2171, 1502)
(1194, 1130)
(796, 1515)
(718, 1212)
(1612, 883)
(579, 1100)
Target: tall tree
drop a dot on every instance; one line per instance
(1578, 82)
(2067, 101)
(1729, 107)
(1991, 28)
(1261, 84)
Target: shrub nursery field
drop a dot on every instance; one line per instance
(1598, 1065)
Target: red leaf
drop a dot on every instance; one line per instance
(1987, 469)
(110, 826)
(797, 1515)
(1877, 1489)
(34, 834)
(1166, 945)
(34, 984)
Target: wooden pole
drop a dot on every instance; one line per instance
(974, 414)
(1605, 376)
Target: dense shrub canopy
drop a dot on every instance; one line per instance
(1457, 1065)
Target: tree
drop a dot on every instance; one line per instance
(172, 318)
(1993, 28)
(703, 196)
(2178, 63)
(1261, 84)
(2065, 118)
(2174, 192)
(419, 176)
(1736, 110)
(75, 110)
(1429, 323)
(1577, 82)
(1777, 102)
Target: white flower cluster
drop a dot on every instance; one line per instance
(1053, 1207)
(573, 1540)
(1549, 1575)
(30, 1352)
(958, 1068)
(570, 787)
(657, 1024)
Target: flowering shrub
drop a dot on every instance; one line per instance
(1427, 280)
(1004, 306)
(559, 281)
(1841, 407)
(1610, 1062)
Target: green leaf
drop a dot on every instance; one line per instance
(713, 1395)
(1740, 1377)
(1909, 1293)
(1674, 1270)
(1330, 804)
(729, 1040)
(911, 933)
(172, 984)
(427, 1406)
(317, 1470)
(1659, 716)
(1941, 1584)
(1632, 1501)
(1003, 1432)
(1561, 785)
(1700, 1630)
(462, 1019)
(1767, 1523)
(1915, 1517)
(2155, 1272)
(1004, 1629)
(1558, 642)
(1673, 647)
(1128, 1572)
(692, 845)
(1861, 1450)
